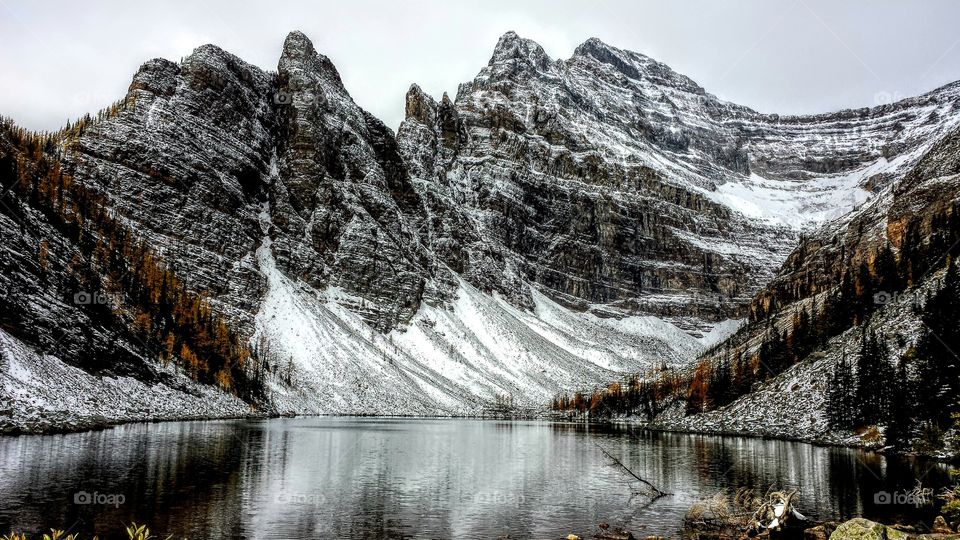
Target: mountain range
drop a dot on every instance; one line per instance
(226, 241)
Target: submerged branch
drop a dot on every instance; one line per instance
(627, 470)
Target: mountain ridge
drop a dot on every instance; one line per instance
(494, 248)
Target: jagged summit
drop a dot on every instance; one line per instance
(301, 61)
(298, 41)
(634, 65)
(511, 47)
(596, 47)
(419, 105)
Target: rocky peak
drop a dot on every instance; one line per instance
(301, 65)
(598, 50)
(420, 106)
(634, 65)
(514, 49)
(297, 42)
(157, 76)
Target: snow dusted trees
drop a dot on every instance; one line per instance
(874, 379)
(902, 407)
(938, 367)
(841, 406)
(721, 390)
(915, 393)
(863, 398)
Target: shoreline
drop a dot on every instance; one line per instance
(94, 423)
(91, 424)
(838, 442)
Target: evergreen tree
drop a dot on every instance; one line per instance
(801, 339)
(874, 380)
(840, 400)
(902, 405)
(886, 274)
(720, 389)
(742, 376)
(831, 318)
(938, 366)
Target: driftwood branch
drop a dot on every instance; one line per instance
(619, 464)
(777, 511)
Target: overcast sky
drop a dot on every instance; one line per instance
(60, 59)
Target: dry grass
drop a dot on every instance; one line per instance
(134, 532)
(725, 508)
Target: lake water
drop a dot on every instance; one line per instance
(414, 478)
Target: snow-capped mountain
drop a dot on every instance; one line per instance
(560, 222)
(619, 185)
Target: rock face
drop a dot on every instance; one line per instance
(618, 185)
(343, 204)
(557, 224)
(184, 166)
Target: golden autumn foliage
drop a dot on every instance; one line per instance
(145, 294)
(697, 393)
(644, 393)
(43, 255)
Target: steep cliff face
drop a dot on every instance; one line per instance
(558, 223)
(620, 186)
(184, 166)
(343, 204)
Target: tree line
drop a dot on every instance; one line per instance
(916, 395)
(646, 393)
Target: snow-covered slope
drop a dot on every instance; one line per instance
(41, 393)
(454, 358)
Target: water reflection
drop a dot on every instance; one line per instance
(399, 478)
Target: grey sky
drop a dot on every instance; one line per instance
(60, 59)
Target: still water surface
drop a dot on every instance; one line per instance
(414, 478)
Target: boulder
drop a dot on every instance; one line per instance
(864, 529)
(940, 526)
(820, 532)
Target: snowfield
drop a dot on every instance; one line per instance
(454, 359)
